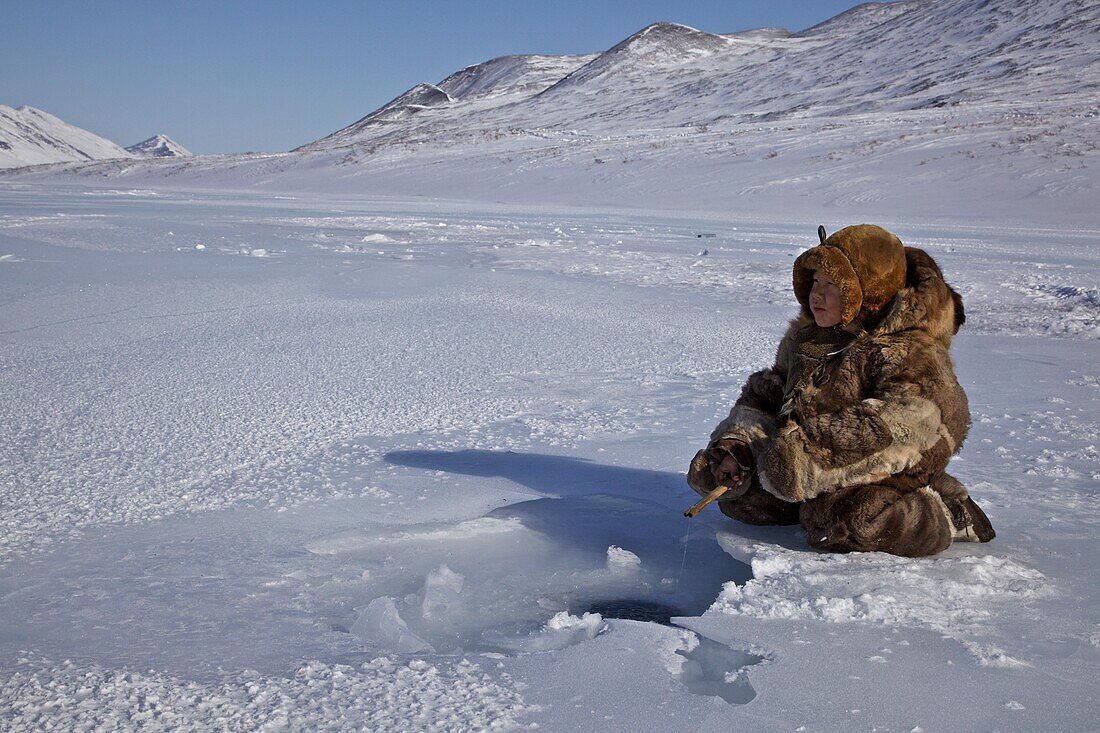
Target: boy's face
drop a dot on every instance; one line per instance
(825, 300)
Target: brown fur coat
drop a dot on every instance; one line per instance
(840, 410)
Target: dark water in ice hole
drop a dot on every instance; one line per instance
(636, 610)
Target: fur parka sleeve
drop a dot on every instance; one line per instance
(751, 420)
(898, 426)
(753, 417)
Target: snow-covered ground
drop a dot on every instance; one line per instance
(288, 463)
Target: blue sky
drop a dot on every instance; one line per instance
(227, 76)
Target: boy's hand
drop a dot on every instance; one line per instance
(729, 473)
(731, 462)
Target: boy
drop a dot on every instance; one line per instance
(850, 432)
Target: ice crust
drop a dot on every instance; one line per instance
(442, 590)
(562, 630)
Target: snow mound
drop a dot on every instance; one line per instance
(954, 595)
(1078, 308)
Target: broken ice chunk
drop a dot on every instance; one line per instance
(588, 624)
(442, 589)
(381, 626)
(561, 631)
(620, 560)
(564, 629)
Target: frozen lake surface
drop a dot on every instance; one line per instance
(292, 463)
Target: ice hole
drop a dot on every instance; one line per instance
(634, 609)
(196, 594)
(496, 583)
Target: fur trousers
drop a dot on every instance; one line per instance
(872, 517)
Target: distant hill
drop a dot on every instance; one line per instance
(159, 146)
(500, 81)
(29, 136)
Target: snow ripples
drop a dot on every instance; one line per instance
(384, 694)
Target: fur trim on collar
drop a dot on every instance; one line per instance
(926, 302)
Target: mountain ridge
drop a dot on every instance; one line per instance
(891, 107)
(873, 56)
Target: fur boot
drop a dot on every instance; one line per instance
(969, 521)
(875, 518)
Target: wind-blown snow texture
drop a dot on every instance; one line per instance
(291, 461)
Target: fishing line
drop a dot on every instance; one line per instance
(683, 562)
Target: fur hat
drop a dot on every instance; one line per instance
(865, 261)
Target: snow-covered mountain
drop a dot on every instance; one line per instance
(29, 136)
(897, 107)
(495, 83)
(874, 58)
(511, 76)
(159, 146)
(661, 45)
